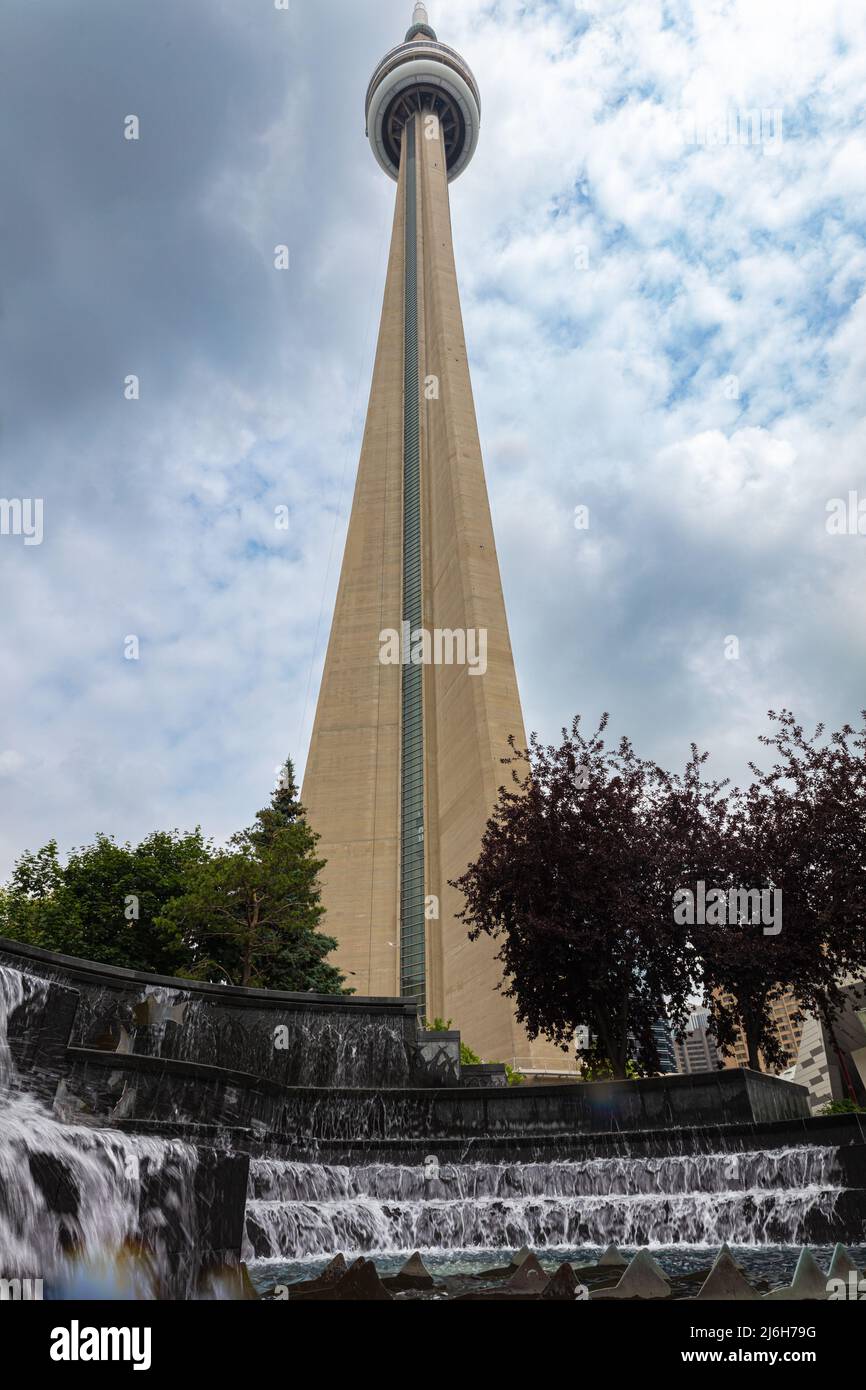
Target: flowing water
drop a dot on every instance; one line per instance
(298, 1047)
(299, 1210)
(77, 1199)
(76, 1203)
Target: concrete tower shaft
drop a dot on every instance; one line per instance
(405, 759)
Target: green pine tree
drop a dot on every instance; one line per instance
(251, 913)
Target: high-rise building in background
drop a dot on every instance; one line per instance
(419, 693)
(828, 1059)
(664, 1041)
(785, 1023)
(697, 1050)
(831, 1061)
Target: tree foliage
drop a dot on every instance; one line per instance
(251, 911)
(174, 905)
(583, 856)
(105, 903)
(575, 880)
(800, 826)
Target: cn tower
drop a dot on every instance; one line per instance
(419, 693)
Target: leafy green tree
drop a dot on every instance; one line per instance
(842, 1107)
(291, 966)
(284, 810)
(172, 905)
(602, 1070)
(250, 913)
(105, 902)
(31, 909)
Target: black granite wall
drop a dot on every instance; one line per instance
(294, 1039)
(126, 1087)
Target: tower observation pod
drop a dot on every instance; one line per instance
(422, 74)
(419, 694)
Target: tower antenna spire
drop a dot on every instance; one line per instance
(420, 27)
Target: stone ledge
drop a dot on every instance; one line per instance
(114, 976)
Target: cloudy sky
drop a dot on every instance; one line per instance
(665, 312)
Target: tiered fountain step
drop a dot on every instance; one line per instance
(108, 1138)
(77, 1195)
(297, 1210)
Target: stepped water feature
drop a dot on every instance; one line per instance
(297, 1210)
(294, 1040)
(179, 1129)
(83, 1206)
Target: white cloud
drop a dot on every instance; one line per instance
(602, 387)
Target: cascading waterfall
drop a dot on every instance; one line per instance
(12, 993)
(296, 1210)
(76, 1200)
(343, 1052)
(332, 1049)
(155, 1212)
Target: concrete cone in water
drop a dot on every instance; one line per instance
(726, 1282)
(529, 1278)
(841, 1265)
(644, 1278)
(809, 1282)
